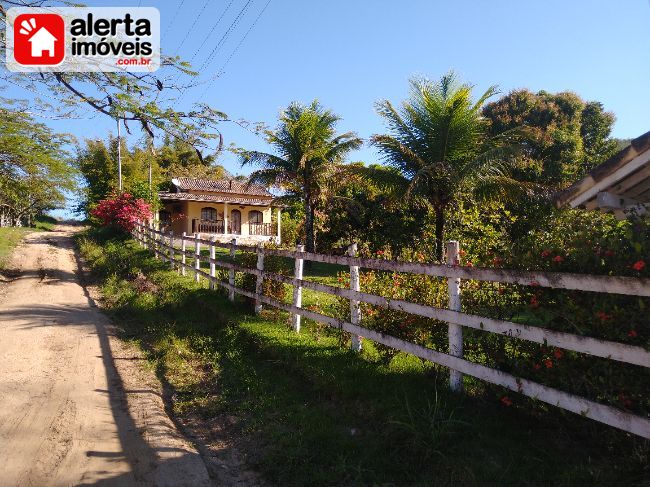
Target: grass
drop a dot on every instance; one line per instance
(12, 236)
(311, 412)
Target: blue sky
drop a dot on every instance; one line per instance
(349, 54)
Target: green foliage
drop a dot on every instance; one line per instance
(440, 148)
(308, 411)
(308, 159)
(565, 136)
(291, 226)
(9, 238)
(34, 169)
(275, 264)
(97, 162)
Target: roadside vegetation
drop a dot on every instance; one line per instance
(309, 411)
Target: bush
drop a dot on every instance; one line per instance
(122, 211)
(277, 265)
(575, 241)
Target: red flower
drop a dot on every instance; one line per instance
(558, 353)
(461, 252)
(602, 316)
(558, 259)
(627, 403)
(380, 252)
(506, 401)
(546, 253)
(632, 333)
(548, 363)
(122, 210)
(537, 366)
(497, 261)
(533, 302)
(469, 264)
(639, 265)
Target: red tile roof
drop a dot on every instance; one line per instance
(220, 186)
(215, 198)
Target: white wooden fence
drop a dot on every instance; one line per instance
(162, 245)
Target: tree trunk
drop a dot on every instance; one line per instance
(309, 227)
(440, 232)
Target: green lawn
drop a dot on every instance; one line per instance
(310, 412)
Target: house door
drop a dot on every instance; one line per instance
(235, 222)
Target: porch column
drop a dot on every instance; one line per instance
(225, 218)
(279, 216)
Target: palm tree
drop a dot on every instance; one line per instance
(308, 157)
(438, 149)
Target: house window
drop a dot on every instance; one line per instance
(255, 216)
(209, 214)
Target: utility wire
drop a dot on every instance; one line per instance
(245, 36)
(234, 24)
(207, 37)
(171, 20)
(196, 19)
(235, 49)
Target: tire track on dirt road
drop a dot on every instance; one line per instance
(75, 409)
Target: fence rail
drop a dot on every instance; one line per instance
(156, 240)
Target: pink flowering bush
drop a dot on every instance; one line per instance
(122, 211)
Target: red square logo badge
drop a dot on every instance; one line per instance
(39, 39)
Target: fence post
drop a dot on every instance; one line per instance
(183, 252)
(154, 243)
(171, 249)
(455, 333)
(231, 272)
(197, 257)
(143, 234)
(297, 289)
(260, 280)
(355, 306)
(213, 255)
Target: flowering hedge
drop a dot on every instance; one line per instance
(578, 242)
(122, 211)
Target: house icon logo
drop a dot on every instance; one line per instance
(39, 39)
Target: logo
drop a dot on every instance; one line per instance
(39, 39)
(83, 39)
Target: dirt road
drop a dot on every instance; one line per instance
(76, 407)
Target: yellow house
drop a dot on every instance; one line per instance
(227, 208)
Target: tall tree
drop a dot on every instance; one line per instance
(34, 168)
(308, 157)
(566, 136)
(439, 150)
(144, 100)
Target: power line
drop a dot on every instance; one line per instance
(236, 48)
(171, 21)
(196, 19)
(211, 31)
(245, 36)
(234, 24)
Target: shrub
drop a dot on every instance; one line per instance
(277, 265)
(122, 211)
